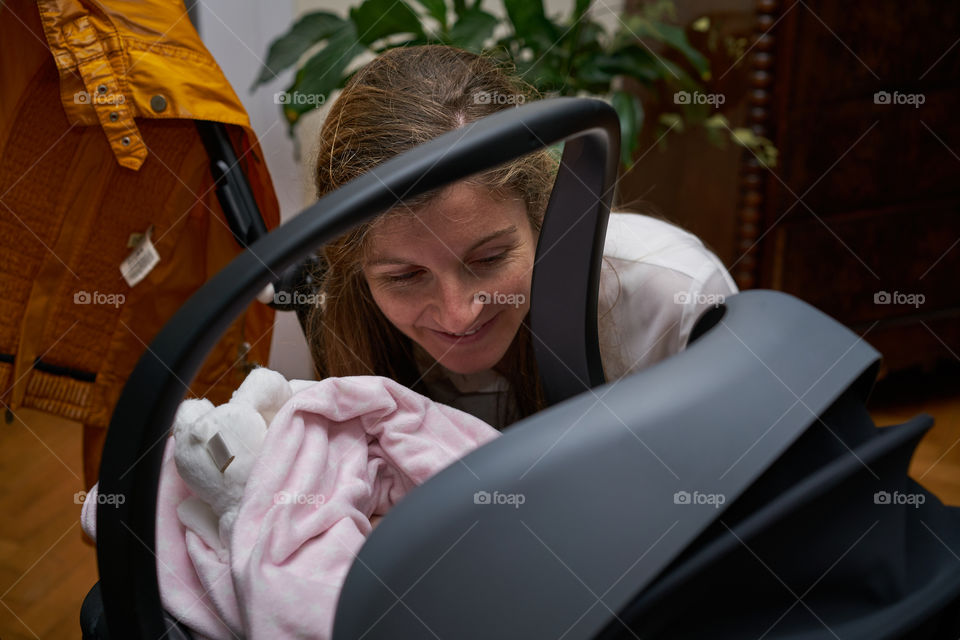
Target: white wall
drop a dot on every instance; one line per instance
(238, 34)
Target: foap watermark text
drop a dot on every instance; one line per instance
(497, 297)
(698, 498)
(299, 299)
(699, 97)
(912, 99)
(512, 499)
(494, 97)
(87, 297)
(685, 297)
(898, 297)
(315, 99)
(291, 497)
(112, 499)
(896, 498)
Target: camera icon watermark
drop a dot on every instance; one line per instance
(496, 297)
(699, 97)
(86, 297)
(685, 297)
(495, 97)
(112, 499)
(512, 499)
(913, 299)
(912, 99)
(697, 498)
(283, 97)
(896, 498)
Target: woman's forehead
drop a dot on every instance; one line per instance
(464, 212)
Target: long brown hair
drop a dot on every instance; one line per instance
(404, 97)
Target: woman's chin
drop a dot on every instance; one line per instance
(467, 366)
(470, 361)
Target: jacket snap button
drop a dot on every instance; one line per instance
(114, 116)
(125, 140)
(102, 89)
(158, 103)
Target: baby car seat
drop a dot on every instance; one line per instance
(736, 489)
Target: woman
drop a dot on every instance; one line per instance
(434, 293)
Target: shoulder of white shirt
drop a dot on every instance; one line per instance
(656, 281)
(638, 238)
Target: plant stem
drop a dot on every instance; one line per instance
(574, 41)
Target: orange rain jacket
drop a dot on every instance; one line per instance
(97, 143)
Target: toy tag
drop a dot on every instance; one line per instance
(220, 452)
(141, 260)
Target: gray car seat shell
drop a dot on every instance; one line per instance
(600, 475)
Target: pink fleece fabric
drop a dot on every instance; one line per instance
(337, 453)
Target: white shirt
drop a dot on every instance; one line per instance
(655, 281)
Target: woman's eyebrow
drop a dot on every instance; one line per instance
(496, 234)
(384, 260)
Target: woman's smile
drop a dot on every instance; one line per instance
(468, 337)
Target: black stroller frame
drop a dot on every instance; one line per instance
(620, 547)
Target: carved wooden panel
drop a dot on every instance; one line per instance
(861, 217)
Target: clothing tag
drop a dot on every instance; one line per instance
(220, 452)
(141, 260)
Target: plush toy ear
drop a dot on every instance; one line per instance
(265, 390)
(189, 412)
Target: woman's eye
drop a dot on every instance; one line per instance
(402, 277)
(492, 259)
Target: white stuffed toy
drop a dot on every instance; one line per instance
(215, 448)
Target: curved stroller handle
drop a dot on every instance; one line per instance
(572, 236)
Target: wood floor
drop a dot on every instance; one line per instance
(46, 567)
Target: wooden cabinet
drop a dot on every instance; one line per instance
(861, 216)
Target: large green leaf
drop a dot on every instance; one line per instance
(630, 110)
(546, 73)
(635, 62)
(437, 9)
(375, 19)
(591, 75)
(530, 22)
(591, 36)
(594, 71)
(321, 74)
(580, 8)
(671, 35)
(472, 29)
(287, 49)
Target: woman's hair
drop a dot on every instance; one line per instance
(405, 97)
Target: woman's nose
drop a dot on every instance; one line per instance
(459, 305)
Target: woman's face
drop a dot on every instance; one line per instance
(455, 277)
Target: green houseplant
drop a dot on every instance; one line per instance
(570, 56)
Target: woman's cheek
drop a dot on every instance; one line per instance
(519, 284)
(389, 305)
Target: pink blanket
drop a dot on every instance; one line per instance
(338, 452)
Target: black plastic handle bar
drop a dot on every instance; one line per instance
(565, 280)
(233, 191)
